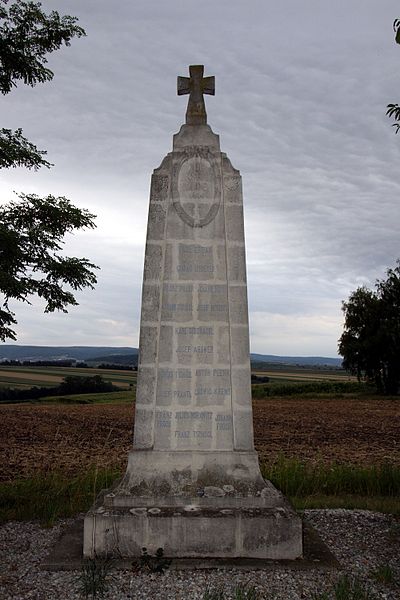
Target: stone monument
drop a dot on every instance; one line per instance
(193, 484)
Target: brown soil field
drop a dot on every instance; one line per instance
(10, 375)
(71, 438)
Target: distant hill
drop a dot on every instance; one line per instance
(296, 360)
(128, 355)
(116, 359)
(17, 352)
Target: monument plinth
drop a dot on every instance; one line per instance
(193, 484)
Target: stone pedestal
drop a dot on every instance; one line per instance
(193, 484)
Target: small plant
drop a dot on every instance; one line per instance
(94, 575)
(241, 592)
(157, 563)
(349, 588)
(217, 594)
(383, 574)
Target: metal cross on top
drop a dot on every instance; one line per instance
(196, 85)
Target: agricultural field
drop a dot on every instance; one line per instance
(73, 437)
(322, 438)
(26, 377)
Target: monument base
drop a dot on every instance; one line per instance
(204, 505)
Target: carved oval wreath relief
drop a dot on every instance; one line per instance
(198, 194)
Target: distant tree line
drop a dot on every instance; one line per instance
(117, 367)
(37, 363)
(71, 384)
(65, 363)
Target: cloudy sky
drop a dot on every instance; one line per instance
(301, 91)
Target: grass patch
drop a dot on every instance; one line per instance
(241, 592)
(94, 576)
(47, 497)
(384, 574)
(124, 397)
(336, 486)
(296, 478)
(270, 390)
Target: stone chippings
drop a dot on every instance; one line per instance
(361, 540)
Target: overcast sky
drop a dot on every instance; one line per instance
(301, 93)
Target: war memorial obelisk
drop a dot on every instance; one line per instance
(193, 484)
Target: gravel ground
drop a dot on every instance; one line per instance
(361, 540)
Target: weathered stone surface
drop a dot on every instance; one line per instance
(193, 463)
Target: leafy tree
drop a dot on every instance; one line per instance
(370, 343)
(393, 110)
(27, 34)
(31, 234)
(32, 228)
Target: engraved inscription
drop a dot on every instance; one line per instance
(197, 194)
(194, 330)
(232, 189)
(159, 187)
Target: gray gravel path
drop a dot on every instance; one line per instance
(361, 540)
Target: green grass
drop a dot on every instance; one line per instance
(6, 375)
(317, 387)
(298, 479)
(350, 588)
(384, 574)
(125, 397)
(49, 496)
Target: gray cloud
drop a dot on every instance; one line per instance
(300, 103)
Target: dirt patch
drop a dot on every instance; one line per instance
(346, 430)
(71, 438)
(16, 375)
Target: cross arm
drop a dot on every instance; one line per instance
(184, 85)
(208, 85)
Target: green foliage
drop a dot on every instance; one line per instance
(214, 594)
(346, 588)
(72, 384)
(396, 29)
(94, 575)
(49, 496)
(315, 387)
(31, 230)
(383, 574)
(125, 397)
(31, 236)
(17, 151)
(298, 479)
(350, 588)
(393, 110)
(243, 592)
(370, 343)
(27, 35)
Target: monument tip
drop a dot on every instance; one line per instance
(196, 86)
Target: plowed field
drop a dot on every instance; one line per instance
(71, 438)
